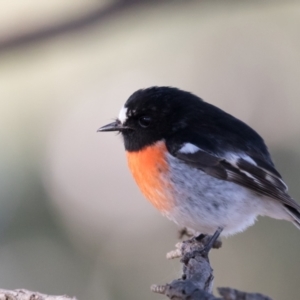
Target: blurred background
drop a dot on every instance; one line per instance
(72, 221)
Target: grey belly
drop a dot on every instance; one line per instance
(203, 203)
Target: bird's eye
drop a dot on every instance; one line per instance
(145, 121)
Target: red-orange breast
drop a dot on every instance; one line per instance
(149, 168)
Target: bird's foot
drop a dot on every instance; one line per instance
(212, 242)
(200, 246)
(216, 245)
(202, 243)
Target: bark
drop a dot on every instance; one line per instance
(197, 277)
(29, 295)
(196, 282)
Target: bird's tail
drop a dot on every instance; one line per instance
(293, 210)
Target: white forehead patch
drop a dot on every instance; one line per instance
(189, 148)
(123, 115)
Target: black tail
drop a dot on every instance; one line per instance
(294, 212)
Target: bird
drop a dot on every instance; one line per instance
(198, 165)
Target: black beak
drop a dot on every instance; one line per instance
(114, 126)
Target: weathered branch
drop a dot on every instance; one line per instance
(232, 294)
(29, 295)
(196, 282)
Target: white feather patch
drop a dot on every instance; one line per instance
(189, 148)
(123, 115)
(234, 157)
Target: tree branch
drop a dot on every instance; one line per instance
(29, 295)
(196, 282)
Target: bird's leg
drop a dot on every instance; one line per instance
(211, 241)
(205, 242)
(200, 237)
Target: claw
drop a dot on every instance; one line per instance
(211, 241)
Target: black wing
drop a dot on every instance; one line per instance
(240, 169)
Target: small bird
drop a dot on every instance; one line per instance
(198, 165)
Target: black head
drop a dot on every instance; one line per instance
(157, 113)
(153, 114)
